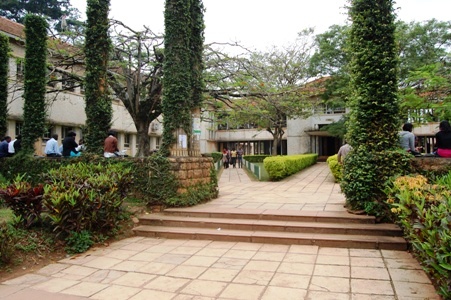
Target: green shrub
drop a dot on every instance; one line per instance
(424, 212)
(78, 242)
(217, 156)
(255, 158)
(6, 243)
(279, 167)
(85, 197)
(365, 176)
(24, 200)
(335, 168)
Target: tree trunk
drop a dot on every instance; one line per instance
(142, 127)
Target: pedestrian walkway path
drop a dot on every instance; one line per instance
(150, 268)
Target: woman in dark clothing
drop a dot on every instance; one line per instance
(443, 140)
(69, 145)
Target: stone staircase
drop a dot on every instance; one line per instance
(324, 229)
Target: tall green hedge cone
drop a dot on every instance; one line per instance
(4, 60)
(34, 81)
(374, 119)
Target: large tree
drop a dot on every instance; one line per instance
(267, 88)
(135, 76)
(4, 62)
(97, 50)
(34, 81)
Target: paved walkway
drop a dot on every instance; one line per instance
(149, 268)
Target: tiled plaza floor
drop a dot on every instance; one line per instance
(149, 268)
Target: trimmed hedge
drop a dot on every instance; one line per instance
(335, 168)
(279, 167)
(255, 158)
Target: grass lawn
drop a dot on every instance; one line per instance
(5, 214)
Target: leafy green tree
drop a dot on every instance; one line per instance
(374, 119)
(4, 62)
(97, 50)
(34, 81)
(267, 88)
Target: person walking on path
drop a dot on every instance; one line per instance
(225, 158)
(239, 157)
(233, 156)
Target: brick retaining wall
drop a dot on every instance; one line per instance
(191, 171)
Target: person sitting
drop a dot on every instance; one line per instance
(70, 145)
(51, 147)
(110, 145)
(443, 140)
(81, 146)
(407, 139)
(14, 146)
(4, 146)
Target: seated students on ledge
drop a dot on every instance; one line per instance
(407, 139)
(443, 140)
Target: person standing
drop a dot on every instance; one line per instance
(443, 139)
(225, 158)
(4, 146)
(342, 152)
(70, 145)
(51, 147)
(110, 145)
(239, 157)
(233, 156)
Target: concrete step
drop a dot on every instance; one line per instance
(275, 215)
(271, 225)
(292, 238)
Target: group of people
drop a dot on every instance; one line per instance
(70, 148)
(442, 140)
(9, 147)
(232, 157)
(407, 142)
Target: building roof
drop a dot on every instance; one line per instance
(12, 28)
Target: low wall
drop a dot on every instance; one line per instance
(191, 171)
(258, 170)
(431, 164)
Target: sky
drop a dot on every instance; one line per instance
(260, 24)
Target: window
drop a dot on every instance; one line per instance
(157, 143)
(48, 134)
(127, 138)
(19, 126)
(66, 130)
(20, 69)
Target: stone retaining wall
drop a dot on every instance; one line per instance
(432, 164)
(191, 171)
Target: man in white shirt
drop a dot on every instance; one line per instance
(52, 148)
(11, 146)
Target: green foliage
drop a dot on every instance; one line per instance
(85, 197)
(97, 50)
(4, 63)
(153, 181)
(374, 118)
(335, 168)
(365, 175)
(34, 109)
(6, 243)
(217, 156)
(183, 67)
(24, 199)
(424, 212)
(279, 167)
(16, 10)
(78, 242)
(255, 158)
